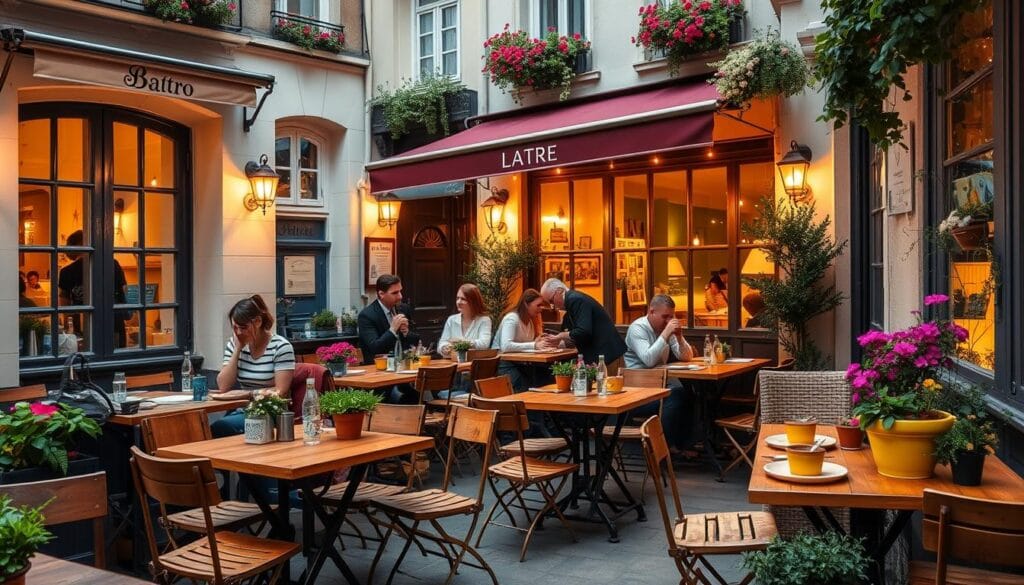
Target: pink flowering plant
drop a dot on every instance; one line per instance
(763, 68)
(896, 378)
(515, 61)
(684, 28)
(336, 353)
(308, 36)
(201, 12)
(38, 434)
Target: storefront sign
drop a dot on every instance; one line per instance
(299, 229)
(524, 158)
(299, 275)
(380, 258)
(901, 175)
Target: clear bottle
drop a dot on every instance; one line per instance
(719, 353)
(396, 356)
(186, 373)
(602, 375)
(708, 350)
(579, 378)
(120, 387)
(311, 421)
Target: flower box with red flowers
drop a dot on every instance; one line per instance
(514, 61)
(309, 34)
(210, 13)
(682, 29)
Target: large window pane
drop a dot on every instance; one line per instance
(283, 165)
(160, 327)
(711, 307)
(159, 160)
(754, 263)
(126, 154)
(34, 149)
(669, 271)
(757, 181)
(74, 282)
(74, 333)
(970, 118)
(973, 45)
(73, 206)
(73, 152)
(126, 219)
(588, 275)
(670, 210)
(308, 154)
(159, 220)
(310, 187)
(709, 203)
(554, 216)
(33, 215)
(34, 270)
(159, 278)
(630, 211)
(588, 214)
(126, 329)
(34, 335)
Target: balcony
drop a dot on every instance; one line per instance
(460, 106)
(233, 24)
(307, 32)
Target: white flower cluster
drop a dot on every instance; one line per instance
(762, 68)
(954, 221)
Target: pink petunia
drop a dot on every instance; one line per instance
(40, 409)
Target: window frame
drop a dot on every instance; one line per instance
(323, 10)
(101, 118)
(297, 133)
(437, 9)
(540, 31)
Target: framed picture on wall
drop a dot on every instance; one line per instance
(556, 267)
(587, 270)
(585, 243)
(558, 236)
(380, 258)
(636, 277)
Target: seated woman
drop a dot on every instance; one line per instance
(470, 324)
(254, 357)
(715, 294)
(520, 330)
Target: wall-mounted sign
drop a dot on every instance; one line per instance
(380, 258)
(299, 275)
(901, 176)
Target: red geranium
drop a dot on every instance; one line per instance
(515, 61)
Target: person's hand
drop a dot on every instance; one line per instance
(546, 341)
(397, 323)
(405, 326)
(238, 342)
(671, 328)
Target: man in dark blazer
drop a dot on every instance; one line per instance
(381, 323)
(586, 325)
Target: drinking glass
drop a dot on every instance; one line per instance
(120, 387)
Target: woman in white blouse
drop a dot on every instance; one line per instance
(521, 330)
(470, 324)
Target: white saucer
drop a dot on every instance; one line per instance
(739, 360)
(171, 399)
(781, 442)
(829, 472)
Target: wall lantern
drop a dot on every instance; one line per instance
(494, 210)
(387, 210)
(118, 212)
(263, 181)
(793, 170)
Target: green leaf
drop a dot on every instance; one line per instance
(888, 422)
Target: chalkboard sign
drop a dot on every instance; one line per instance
(132, 294)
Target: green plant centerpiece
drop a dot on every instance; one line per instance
(22, 532)
(805, 559)
(763, 68)
(563, 371)
(38, 435)
(325, 322)
(497, 267)
(516, 61)
(970, 439)
(347, 408)
(461, 348)
(260, 414)
(417, 103)
(684, 29)
(802, 249)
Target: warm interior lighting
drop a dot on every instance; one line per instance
(757, 263)
(152, 182)
(793, 170)
(696, 240)
(263, 182)
(675, 267)
(387, 210)
(611, 165)
(558, 171)
(118, 212)
(556, 220)
(656, 160)
(711, 153)
(494, 210)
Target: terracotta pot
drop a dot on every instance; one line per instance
(19, 577)
(907, 450)
(564, 383)
(348, 426)
(850, 438)
(972, 236)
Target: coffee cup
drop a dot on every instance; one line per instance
(800, 432)
(805, 459)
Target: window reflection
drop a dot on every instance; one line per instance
(670, 211)
(709, 203)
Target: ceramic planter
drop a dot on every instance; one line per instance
(348, 426)
(972, 236)
(259, 430)
(907, 450)
(564, 383)
(462, 356)
(349, 330)
(850, 438)
(968, 467)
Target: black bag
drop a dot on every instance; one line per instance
(79, 391)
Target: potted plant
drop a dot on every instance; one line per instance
(967, 226)
(563, 371)
(461, 348)
(851, 436)
(210, 13)
(260, 414)
(806, 559)
(27, 326)
(308, 36)
(347, 408)
(515, 61)
(349, 319)
(337, 357)
(763, 68)
(497, 267)
(681, 30)
(324, 323)
(895, 393)
(419, 112)
(21, 533)
(37, 435)
(726, 351)
(969, 440)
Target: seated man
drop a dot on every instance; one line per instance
(382, 323)
(650, 343)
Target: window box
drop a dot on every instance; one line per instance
(306, 32)
(460, 106)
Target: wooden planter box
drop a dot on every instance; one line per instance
(460, 106)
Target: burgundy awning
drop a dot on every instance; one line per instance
(664, 118)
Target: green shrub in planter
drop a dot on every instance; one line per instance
(21, 534)
(414, 103)
(805, 559)
(563, 369)
(348, 401)
(324, 320)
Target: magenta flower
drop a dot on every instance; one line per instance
(937, 299)
(904, 349)
(40, 409)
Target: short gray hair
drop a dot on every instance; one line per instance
(662, 301)
(552, 285)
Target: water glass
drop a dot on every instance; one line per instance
(199, 388)
(120, 387)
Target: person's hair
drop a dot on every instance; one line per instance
(717, 281)
(248, 309)
(662, 301)
(522, 309)
(77, 238)
(552, 284)
(474, 298)
(753, 303)
(32, 273)
(722, 271)
(386, 281)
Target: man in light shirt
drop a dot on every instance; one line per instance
(653, 341)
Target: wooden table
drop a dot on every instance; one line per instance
(47, 570)
(717, 372)
(294, 462)
(593, 412)
(130, 420)
(539, 356)
(865, 490)
(372, 379)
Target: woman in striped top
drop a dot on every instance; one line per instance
(254, 357)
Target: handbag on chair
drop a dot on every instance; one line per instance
(79, 391)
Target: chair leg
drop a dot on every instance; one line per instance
(550, 504)
(380, 552)
(401, 555)
(466, 548)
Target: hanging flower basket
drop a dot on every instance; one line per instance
(515, 62)
(972, 236)
(686, 28)
(764, 68)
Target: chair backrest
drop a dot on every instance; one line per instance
(82, 497)
(174, 429)
(470, 425)
(400, 419)
(309, 358)
(485, 366)
(653, 378)
(494, 387)
(971, 529)
(23, 393)
(481, 354)
(511, 419)
(652, 437)
(788, 395)
(152, 381)
(323, 381)
(785, 365)
(435, 378)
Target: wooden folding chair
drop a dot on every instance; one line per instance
(151, 381)
(534, 447)
(522, 473)
(407, 512)
(483, 366)
(23, 393)
(219, 557)
(969, 529)
(436, 379)
(481, 354)
(638, 378)
(189, 427)
(71, 499)
(694, 537)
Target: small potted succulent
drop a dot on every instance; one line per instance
(971, 438)
(563, 372)
(827, 559)
(337, 357)
(324, 323)
(260, 415)
(851, 437)
(347, 408)
(21, 533)
(461, 348)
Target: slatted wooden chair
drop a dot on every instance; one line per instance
(485, 366)
(219, 557)
(71, 499)
(407, 512)
(481, 354)
(535, 447)
(652, 378)
(435, 379)
(748, 423)
(694, 537)
(522, 473)
(23, 393)
(969, 529)
(160, 381)
(188, 427)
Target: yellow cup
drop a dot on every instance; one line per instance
(800, 432)
(380, 362)
(803, 461)
(424, 360)
(613, 384)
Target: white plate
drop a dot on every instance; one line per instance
(352, 372)
(171, 399)
(685, 367)
(781, 442)
(526, 351)
(406, 372)
(739, 360)
(829, 472)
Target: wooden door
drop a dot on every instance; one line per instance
(432, 234)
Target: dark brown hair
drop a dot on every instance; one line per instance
(386, 281)
(475, 300)
(529, 295)
(248, 309)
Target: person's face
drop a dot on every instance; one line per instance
(392, 296)
(533, 308)
(713, 288)
(659, 317)
(556, 298)
(33, 279)
(461, 303)
(725, 277)
(246, 332)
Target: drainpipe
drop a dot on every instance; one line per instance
(482, 100)
(367, 17)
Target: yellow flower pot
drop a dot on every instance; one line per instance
(907, 450)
